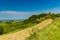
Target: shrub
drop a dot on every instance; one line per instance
(1, 30)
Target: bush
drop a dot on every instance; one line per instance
(1, 30)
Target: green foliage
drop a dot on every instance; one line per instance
(9, 26)
(1, 30)
(33, 35)
(34, 18)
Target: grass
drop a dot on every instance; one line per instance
(19, 29)
(14, 27)
(51, 32)
(33, 35)
(27, 26)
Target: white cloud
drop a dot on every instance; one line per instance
(13, 12)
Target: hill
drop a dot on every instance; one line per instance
(12, 25)
(21, 35)
(51, 32)
(21, 29)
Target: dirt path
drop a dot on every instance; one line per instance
(21, 35)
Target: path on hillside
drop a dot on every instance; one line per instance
(21, 35)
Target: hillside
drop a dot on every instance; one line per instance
(12, 25)
(26, 29)
(21, 35)
(51, 32)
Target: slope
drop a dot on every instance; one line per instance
(52, 32)
(21, 35)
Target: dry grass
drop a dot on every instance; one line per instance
(21, 35)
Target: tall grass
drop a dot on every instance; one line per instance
(33, 35)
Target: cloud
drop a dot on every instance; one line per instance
(15, 14)
(24, 15)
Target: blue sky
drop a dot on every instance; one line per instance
(21, 9)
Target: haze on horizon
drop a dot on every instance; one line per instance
(22, 9)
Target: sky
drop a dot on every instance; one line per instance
(22, 9)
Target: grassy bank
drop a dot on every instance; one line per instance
(52, 32)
